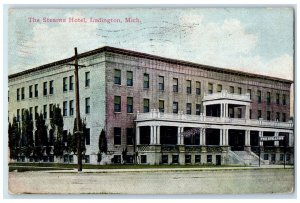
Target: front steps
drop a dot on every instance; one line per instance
(244, 158)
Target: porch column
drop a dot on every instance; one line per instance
(137, 135)
(178, 135)
(221, 137)
(261, 133)
(221, 110)
(182, 137)
(158, 135)
(204, 136)
(291, 139)
(204, 110)
(154, 135)
(226, 110)
(247, 112)
(276, 143)
(247, 137)
(151, 134)
(226, 136)
(201, 137)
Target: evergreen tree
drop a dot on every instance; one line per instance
(102, 145)
(41, 138)
(83, 136)
(57, 125)
(14, 136)
(27, 134)
(124, 155)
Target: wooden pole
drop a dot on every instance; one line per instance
(78, 132)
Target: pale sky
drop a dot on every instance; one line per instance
(256, 40)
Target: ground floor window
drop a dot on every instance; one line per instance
(209, 159)
(116, 159)
(143, 159)
(273, 157)
(175, 159)
(129, 159)
(281, 158)
(197, 158)
(187, 159)
(164, 159)
(87, 158)
(288, 157)
(266, 156)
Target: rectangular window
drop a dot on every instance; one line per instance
(277, 116)
(30, 113)
(22, 114)
(250, 113)
(87, 79)
(188, 86)
(87, 136)
(210, 88)
(130, 136)
(51, 110)
(87, 105)
(175, 84)
(36, 90)
(45, 111)
(277, 98)
(198, 109)
(161, 83)
(71, 82)
(18, 115)
(164, 159)
(146, 105)
(143, 159)
(197, 158)
(30, 91)
(259, 114)
(281, 158)
(18, 94)
(23, 93)
(65, 85)
(239, 113)
(71, 107)
(249, 92)
(259, 96)
(117, 136)
(45, 88)
(239, 90)
(161, 106)
(51, 89)
(65, 108)
(268, 98)
(117, 77)
(198, 88)
(36, 111)
(188, 159)
(209, 159)
(129, 104)
(283, 117)
(146, 80)
(284, 99)
(87, 159)
(219, 88)
(268, 115)
(188, 108)
(175, 107)
(231, 89)
(117, 102)
(266, 156)
(175, 159)
(129, 78)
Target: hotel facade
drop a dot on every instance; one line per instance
(162, 111)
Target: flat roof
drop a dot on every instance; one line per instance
(147, 56)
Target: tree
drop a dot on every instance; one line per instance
(14, 136)
(27, 134)
(124, 155)
(83, 137)
(41, 138)
(57, 125)
(102, 145)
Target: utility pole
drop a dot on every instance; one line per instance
(78, 132)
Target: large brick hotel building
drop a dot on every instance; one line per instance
(163, 111)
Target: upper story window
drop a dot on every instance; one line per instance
(161, 106)
(18, 94)
(129, 78)
(87, 105)
(23, 93)
(146, 105)
(188, 86)
(198, 109)
(161, 84)
(175, 107)
(249, 92)
(117, 77)
(36, 90)
(117, 136)
(87, 79)
(30, 113)
(30, 91)
(259, 96)
(45, 88)
(146, 80)
(36, 111)
(87, 136)
(268, 98)
(239, 115)
(18, 115)
(277, 116)
(65, 108)
(219, 88)
(71, 107)
(231, 89)
(210, 88)
(239, 90)
(129, 104)
(188, 108)
(51, 89)
(50, 110)
(117, 102)
(284, 99)
(45, 111)
(259, 114)
(268, 115)
(71, 82)
(65, 85)
(277, 98)
(283, 117)
(198, 88)
(175, 84)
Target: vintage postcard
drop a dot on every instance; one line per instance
(151, 101)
